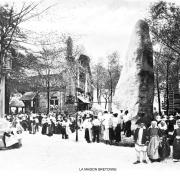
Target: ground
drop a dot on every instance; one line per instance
(52, 157)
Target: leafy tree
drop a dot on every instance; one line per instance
(106, 79)
(99, 79)
(12, 38)
(11, 35)
(114, 70)
(164, 22)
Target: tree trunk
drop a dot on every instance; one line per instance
(105, 104)
(48, 97)
(167, 89)
(97, 92)
(76, 115)
(7, 97)
(76, 102)
(158, 92)
(111, 94)
(99, 98)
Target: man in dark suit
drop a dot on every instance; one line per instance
(141, 140)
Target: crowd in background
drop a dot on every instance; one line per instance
(46, 124)
(12, 127)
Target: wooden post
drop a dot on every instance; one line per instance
(2, 96)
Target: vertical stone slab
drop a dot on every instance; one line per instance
(135, 89)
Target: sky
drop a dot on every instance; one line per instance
(100, 26)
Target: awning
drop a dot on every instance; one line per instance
(28, 96)
(16, 103)
(84, 100)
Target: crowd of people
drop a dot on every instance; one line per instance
(12, 126)
(103, 127)
(152, 141)
(46, 124)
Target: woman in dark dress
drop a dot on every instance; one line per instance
(50, 127)
(117, 128)
(127, 124)
(171, 122)
(176, 142)
(44, 126)
(164, 147)
(58, 127)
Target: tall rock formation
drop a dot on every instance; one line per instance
(135, 89)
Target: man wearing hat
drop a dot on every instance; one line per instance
(141, 140)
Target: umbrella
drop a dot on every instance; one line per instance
(96, 108)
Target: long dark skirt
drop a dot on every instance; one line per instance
(58, 129)
(111, 134)
(49, 130)
(128, 129)
(44, 128)
(164, 149)
(118, 133)
(24, 124)
(176, 149)
(87, 137)
(96, 132)
(64, 133)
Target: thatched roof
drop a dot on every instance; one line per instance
(28, 96)
(16, 103)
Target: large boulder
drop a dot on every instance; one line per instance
(135, 88)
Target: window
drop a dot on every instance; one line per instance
(54, 102)
(51, 102)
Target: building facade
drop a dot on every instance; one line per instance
(67, 93)
(80, 87)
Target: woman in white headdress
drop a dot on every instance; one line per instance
(164, 147)
(158, 118)
(153, 147)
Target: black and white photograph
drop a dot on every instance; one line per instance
(89, 89)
